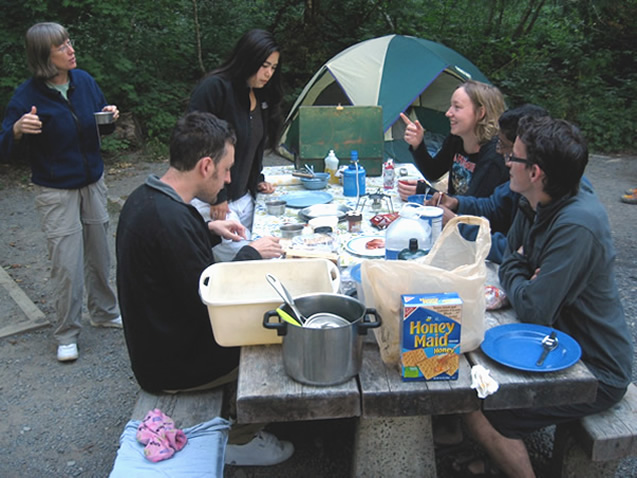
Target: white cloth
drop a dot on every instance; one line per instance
(482, 382)
(241, 210)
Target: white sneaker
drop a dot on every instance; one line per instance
(116, 323)
(264, 450)
(67, 353)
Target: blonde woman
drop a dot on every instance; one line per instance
(469, 153)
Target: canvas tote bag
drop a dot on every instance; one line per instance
(454, 264)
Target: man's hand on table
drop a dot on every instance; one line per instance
(268, 247)
(265, 187)
(229, 229)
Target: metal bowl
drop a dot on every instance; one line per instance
(288, 231)
(104, 117)
(321, 210)
(275, 207)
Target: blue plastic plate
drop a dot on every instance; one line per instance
(306, 198)
(520, 346)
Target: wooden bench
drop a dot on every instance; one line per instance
(593, 446)
(186, 409)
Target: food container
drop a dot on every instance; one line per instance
(237, 295)
(325, 355)
(319, 181)
(324, 221)
(104, 117)
(288, 231)
(276, 207)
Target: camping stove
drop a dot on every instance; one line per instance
(377, 199)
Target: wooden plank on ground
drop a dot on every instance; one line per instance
(34, 317)
(266, 394)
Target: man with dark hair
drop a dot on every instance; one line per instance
(558, 271)
(163, 245)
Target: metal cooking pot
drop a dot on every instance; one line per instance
(325, 355)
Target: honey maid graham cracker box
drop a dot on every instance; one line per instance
(431, 336)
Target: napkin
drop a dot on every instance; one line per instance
(482, 382)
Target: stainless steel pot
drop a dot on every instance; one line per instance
(324, 356)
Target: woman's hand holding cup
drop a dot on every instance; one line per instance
(407, 187)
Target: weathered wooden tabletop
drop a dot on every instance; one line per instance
(266, 394)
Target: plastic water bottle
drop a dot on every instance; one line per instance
(412, 252)
(408, 226)
(331, 166)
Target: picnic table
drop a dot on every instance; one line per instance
(393, 433)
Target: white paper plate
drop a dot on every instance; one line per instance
(357, 247)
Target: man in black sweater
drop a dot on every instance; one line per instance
(163, 245)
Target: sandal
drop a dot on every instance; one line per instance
(474, 466)
(630, 198)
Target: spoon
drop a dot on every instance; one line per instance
(285, 295)
(310, 169)
(288, 318)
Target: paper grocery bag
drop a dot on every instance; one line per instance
(454, 264)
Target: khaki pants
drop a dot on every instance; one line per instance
(75, 222)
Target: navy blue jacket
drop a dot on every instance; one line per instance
(499, 209)
(66, 155)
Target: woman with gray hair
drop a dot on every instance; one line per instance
(50, 121)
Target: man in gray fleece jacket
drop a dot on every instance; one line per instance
(558, 271)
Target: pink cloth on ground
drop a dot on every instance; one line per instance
(157, 431)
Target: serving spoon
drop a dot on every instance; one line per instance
(285, 295)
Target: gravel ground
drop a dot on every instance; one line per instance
(61, 420)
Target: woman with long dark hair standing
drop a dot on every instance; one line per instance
(245, 91)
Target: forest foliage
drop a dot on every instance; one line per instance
(574, 57)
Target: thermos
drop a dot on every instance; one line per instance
(354, 178)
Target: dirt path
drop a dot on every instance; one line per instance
(62, 420)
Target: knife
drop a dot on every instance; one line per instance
(549, 343)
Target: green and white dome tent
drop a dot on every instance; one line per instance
(399, 73)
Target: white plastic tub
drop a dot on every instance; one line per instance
(237, 295)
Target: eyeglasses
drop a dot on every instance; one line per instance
(65, 46)
(514, 159)
(501, 146)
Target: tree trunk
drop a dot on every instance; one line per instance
(198, 36)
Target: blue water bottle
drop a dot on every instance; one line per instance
(354, 177)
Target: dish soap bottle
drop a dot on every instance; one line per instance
(331, 166)
(412, 252)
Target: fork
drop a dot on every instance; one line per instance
(549, 343)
